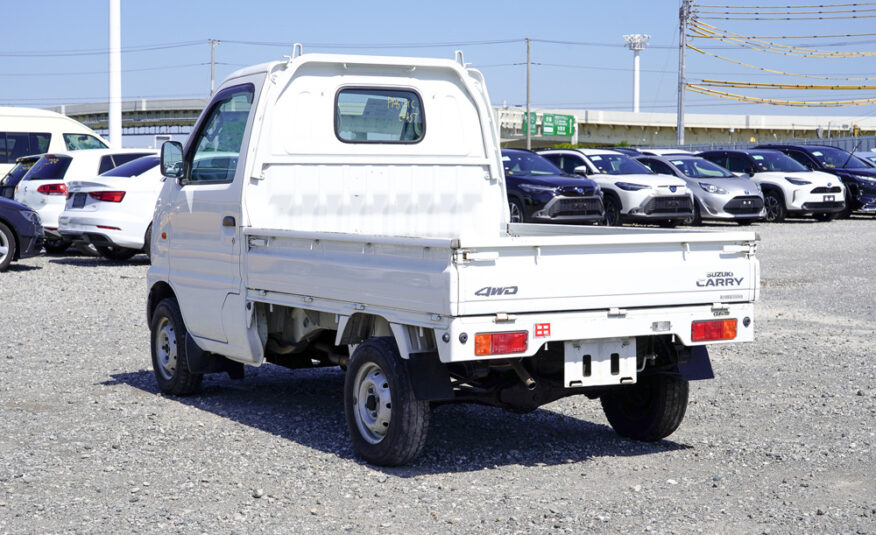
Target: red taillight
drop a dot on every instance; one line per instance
(52, 189)
(702, 331)
(108, 196)
(500, 343)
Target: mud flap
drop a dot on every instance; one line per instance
(698, 366)
(201, 361)
(429, 378)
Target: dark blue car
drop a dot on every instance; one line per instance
(540, 192)
(857, 176)
(21, 234)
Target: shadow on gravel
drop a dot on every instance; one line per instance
(97, 261)
(307, 407)
(21, 267)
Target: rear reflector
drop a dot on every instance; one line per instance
(501, 343)
(53, 189)
(702, 331)
(108, 228)
(108, 196)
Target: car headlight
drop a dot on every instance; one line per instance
(797, 181)
(31, 216)
(629, 186)
(711, 188)
(865, 178)
(537, 188)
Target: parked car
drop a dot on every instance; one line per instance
(858, 176)
(44, 187)
(869, 157)
(665, 152)
(627, 150)
(540, 192)
(13, 177)
(719, 194)
(631, 191)
(21, 234)
(114, 211)
(788, 187)
(26, 131)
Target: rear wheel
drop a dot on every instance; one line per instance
(169, 360)
(775, 206)
(612, 211)
(387, 423)
(115, 253)
(56, 245)
(7, 247)
(516, 209)
(147, 243)
(650, 410)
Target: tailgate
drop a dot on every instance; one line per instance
(554, 269)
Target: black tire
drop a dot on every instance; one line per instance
(517, 213)
(774, 202)
(846, 212)
(7, 247)
(384, 433)
(169, 361)
(696, 218)
(612, 211)
(56, 245)
(825, 216)
(115, 253)
(650, 410)
(147, 243)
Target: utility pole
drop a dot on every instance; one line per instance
(683, 15)
(213, 43)
(636, 43)
(114, 122)
(528, 124)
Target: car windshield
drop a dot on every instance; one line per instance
(701, 168)
(49, 167)
(831, 157)
(134, 167)
(527, 164)
(776, 161)
(618, 164)
(83, 142)
(15, 174)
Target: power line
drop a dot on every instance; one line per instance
(98, 51)
(776, 71)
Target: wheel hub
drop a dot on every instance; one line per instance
(165, 348)
(372, 405)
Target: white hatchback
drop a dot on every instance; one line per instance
(113, 211)
(44, 187)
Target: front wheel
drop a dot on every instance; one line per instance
(516, 209)
(612, 211)
(116, 253)
(387, 423)
(695, 217)
(7, 247)
(169, 351)
(775, 207)
(650, 410)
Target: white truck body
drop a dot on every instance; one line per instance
(323, 233)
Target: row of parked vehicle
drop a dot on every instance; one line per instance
(670, 187)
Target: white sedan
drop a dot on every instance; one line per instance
(114, 211)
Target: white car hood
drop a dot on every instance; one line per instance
(649, 179)
(817, 178)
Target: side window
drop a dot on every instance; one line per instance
(801, 158)
(658, 167)
(14, 145)
(106, 163)
(39, 143)
(365, 115)
(217, 145)
(716, 159)
(4, 154)
(738, 164)
(82, 142)
(569, 163)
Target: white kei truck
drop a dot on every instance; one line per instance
(342, 210)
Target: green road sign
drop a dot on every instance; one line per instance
(533, 118)
(557, 125)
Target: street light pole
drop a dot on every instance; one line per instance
(528, 124)
(114, 122)
(636, 43)
(213, 43)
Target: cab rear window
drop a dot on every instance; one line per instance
(367, 115)
(49, 167)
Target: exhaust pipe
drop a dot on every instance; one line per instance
(517, 365)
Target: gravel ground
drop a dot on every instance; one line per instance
(782, 441)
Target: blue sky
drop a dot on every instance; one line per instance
(57, 53)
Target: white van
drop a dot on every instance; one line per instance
(26, 131)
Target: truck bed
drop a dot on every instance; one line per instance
(532, 268)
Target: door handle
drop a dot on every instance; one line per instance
(228, 221)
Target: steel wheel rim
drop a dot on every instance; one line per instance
(4, 246)
(516, 216)
(772, 207)
(372, 403)
(165, 349)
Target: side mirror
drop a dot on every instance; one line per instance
(582, 170)
(172, 159)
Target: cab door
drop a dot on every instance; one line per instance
(205, 212)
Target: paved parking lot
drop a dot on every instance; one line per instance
(782, 441)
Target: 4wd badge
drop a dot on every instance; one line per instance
(490, 291)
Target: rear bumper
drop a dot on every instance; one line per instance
(591, 325)
(86, 227)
